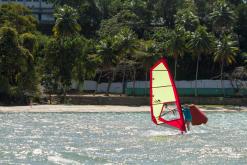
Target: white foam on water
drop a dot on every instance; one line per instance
(188, 132)
(151, 133)
(130, 127)
(119, 149)
(91, 149)
(68, 148)
(201, 131)
(185, 150)
(22, 155)
(60, 160)
(45, 120)
(37, 151)
(221, 152)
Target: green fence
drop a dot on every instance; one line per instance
(191, 92)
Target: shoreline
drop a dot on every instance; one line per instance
(106, 108)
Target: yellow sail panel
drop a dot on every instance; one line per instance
(161, 85)
(156, 112)
(164, 94)
(160, 76)
(162, 89)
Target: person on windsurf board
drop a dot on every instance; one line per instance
(187, 116)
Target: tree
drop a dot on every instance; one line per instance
(241, 26)
(29, 41)
(222, 17)
(124, 19)
(90, 18)
(18, 75)
(244, 56)
(86, 63)
(60, 61)
(239, 76)
(187, 19)
(200, 42)
(89, 15)
(165, 11)
(127, 49)
(17, 16)
(148, 53)
(203, 9)
(161, 35)
(117, 50)
(107, 52)
(236, 2)
(176, 47)
(104, 8)
(225, 51)
(170, 43)
(66, 22)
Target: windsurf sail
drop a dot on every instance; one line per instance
(164, 101)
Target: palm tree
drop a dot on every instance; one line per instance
(149, 53)
(107, 53)
(200, 42)
(225, 52)
(85, 67)
(187, 19)
(166, 9)
(126, 46)
(244, 56)
(66, 22)
(222, 17)
(176, 47)
(104, 7)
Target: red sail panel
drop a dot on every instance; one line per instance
(198, 117)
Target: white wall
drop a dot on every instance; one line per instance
(191, 84)
(117, 87)
(102, 87)
(138, 84)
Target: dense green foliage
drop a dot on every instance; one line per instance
(18, 78)
(18, 17)
(119, 40)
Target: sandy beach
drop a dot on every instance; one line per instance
(106, 108)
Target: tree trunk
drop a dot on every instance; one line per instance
(97, 84)
(175, 69)
(197, 66)
(124, 72)
(134, 83)
(82, 82)
(110, 82)
(50, 98)
(146, 79)
(64, 94)
(221, 78)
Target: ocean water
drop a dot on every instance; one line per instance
(119, 138)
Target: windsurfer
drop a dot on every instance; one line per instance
(187, 116)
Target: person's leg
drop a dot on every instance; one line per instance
(188, 125)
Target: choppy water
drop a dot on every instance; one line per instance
(119, 138)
